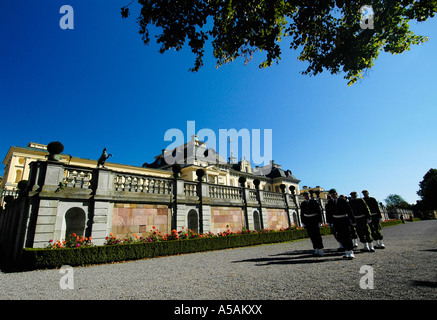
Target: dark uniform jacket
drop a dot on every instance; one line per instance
(339, 213)
(373, 206)
(360, 209)
(310, 212)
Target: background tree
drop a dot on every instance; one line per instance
(327, 32)
(396, 201)
(428, 190)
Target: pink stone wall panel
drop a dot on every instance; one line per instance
(139, 219)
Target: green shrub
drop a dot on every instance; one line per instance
(55, 258)
(389, 223)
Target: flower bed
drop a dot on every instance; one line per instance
(133, 247)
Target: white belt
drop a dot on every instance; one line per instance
(374, 214)
(341, 216)
(310, 215)
(362, 216)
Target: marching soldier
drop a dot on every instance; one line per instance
(362, 217)
(354, 235)
(340, 215)
(376, 216)
(311, 217)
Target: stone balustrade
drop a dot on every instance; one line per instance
(273, 197)
(225, 192)
(77, 177)
(190, 189)
(144, 184)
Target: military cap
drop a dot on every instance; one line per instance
(353, 192)
(306, 192)
(364, 191)
(332, 191)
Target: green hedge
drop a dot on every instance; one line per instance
(389, 223)
(55, 258)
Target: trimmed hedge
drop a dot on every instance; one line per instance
(389, 223)
(54, 258)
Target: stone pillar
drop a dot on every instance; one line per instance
(242, 181)
(178, 193)
(262, 210)
(102, 206)
(297, 204)
(48, 178)
(287, 203)
(205, 208)
(200, 191)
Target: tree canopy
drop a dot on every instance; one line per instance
(330, 34)
(396, 201)
(428, 189)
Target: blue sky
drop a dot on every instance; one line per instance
(99, 86)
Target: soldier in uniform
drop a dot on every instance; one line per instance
(340, 215)
(376, 217)
(362, 217)
(311, 217)
(354, 235)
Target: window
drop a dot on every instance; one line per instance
(18, 175)
(75, 221)
(256, 221)
(193, 221)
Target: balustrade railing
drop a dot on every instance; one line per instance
(79, 178)
(190, 189)
(273, 197)
(144, 184)
(252, 196)
(6, 193)
(225, 192)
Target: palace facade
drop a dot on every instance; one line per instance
(217, 171)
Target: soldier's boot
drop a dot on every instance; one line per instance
(321, 253)
(355, 243)
(371, 248)
(379, 244)
(366, 247)
(349, 255)
(340, 248)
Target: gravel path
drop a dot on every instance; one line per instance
(406, 269)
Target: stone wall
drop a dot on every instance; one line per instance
(130, 218)
(64, 199)
(276, 219)
(226, 218)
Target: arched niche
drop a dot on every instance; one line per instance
(75, 222)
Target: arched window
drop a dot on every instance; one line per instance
(18, 175)
(256, 221)
(75, 221)
(193, 221)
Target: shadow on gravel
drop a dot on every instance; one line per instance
(297, 257)
(421, 283)
(430, 250)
